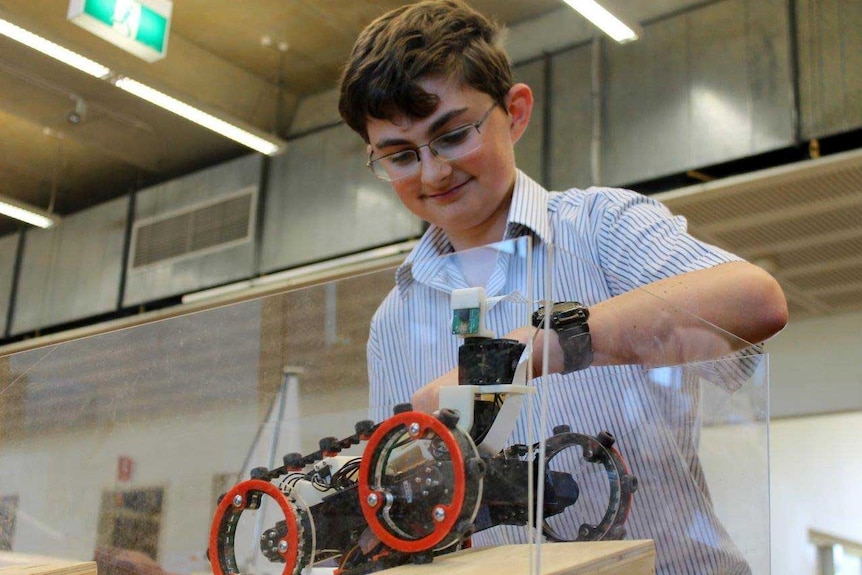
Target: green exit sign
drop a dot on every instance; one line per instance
(137, 26)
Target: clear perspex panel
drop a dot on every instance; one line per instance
(263, 438)
(685, 409)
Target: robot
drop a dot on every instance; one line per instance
(424, 483)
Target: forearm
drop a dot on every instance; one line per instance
(695, 316)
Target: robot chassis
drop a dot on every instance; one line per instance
(424, 483)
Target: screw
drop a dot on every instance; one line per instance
(237, 500)
(282, 546)
(439, 514)
(372, 499)
(414, 429)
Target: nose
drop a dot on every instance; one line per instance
(433, 169)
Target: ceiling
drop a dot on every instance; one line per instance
(217, 59)
(801, 222)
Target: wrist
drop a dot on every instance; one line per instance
(569, 321)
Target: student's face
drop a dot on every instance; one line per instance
(467, 197)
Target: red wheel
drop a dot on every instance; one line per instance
(240, 498)
(414, 489)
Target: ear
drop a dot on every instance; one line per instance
(519, 105)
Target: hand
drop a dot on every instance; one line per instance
(427, 397)
(117, 561)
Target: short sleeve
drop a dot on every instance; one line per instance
(639, 241)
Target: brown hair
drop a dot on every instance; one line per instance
(415, 42)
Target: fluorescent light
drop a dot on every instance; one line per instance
(27, 213)
(604, 20)
(53, 50)
(268, 146)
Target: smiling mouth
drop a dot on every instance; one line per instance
(451, 191)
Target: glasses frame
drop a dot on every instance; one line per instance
(430, 145)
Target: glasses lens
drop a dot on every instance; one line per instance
(396, 166)
(457, 143)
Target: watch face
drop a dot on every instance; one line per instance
(569, 312)
(562, 314)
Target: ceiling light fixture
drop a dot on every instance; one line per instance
(268, 146)
(27, 213)
(604, 20)
(53, 50)
(245, 135)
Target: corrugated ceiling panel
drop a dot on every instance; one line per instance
(803, 222)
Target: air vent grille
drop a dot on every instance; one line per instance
(197, 229)
(803, 222)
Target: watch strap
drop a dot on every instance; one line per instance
(569, 321)
(577, 345)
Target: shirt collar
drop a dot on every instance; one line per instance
(529, 209)
(527, 214)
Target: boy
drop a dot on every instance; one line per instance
(429, 88)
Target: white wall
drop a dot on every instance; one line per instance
(60, 478)
(817, 366)
(816, 466)
(815, 460)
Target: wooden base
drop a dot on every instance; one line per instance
(21, 564)
(593, 558)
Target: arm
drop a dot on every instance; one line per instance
(663, 323)
(650, 326)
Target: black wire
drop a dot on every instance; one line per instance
(341, 479)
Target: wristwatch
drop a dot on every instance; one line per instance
(569, 320)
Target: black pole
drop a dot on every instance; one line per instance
(16, 278)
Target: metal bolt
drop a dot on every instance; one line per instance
(282, 546)
(372, 499)
(439, 514)
(414, 429)
(237, 500)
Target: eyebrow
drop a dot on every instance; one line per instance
(433, 128)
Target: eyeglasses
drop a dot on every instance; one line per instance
(447, 147)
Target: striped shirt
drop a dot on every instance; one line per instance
(605, 242)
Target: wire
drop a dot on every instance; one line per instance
(347, 556)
